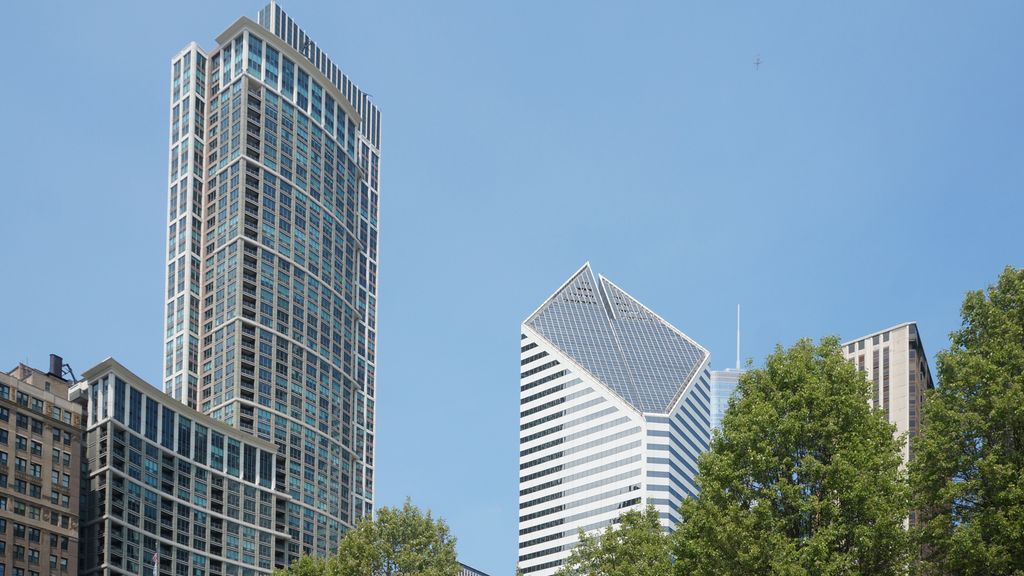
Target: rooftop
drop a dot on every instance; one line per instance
(619, 341)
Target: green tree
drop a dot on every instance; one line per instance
(803, 478)
(639, 547)
(399, 541)
(968, 465)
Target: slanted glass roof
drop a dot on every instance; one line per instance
(619, 341)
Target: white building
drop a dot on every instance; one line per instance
(615, 409)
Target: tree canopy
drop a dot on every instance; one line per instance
(399, 541)
(803, 477)
(968, 464)
(638, 547)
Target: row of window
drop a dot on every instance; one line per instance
(160, 422)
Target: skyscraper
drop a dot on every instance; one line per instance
(614, 412)
(723, 386)
(272, 260)
(895, 363)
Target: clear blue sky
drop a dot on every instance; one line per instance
(869, 173)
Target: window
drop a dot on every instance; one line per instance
(20, 443)
(152, 415)
(200, 449)
(168, 428)
(249, 469)
(3, 437)
(118, 399)
(184, 437)
(233, 457)
(217, 451)
(37, 426)
(134, 409)
(21, 420)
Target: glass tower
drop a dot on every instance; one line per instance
(272, 261)
(614, 411)
(723, 386)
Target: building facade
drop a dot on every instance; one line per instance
(469, 571)
(40, 457)
(271, 300)
(895, 363)
(614, 410)
(723, 386)
(171, 491)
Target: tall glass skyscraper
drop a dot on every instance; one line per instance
(614, 410)
(272, 261)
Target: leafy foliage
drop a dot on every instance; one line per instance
(639, 547)
(399, 541)
(803, 478)
(968, 466)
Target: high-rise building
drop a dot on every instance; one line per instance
(469, 571)
(40, 452)
(614, 412)
(895, 363)
(723, 386)
(272, 242)
(171, 491)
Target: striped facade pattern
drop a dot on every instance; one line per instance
(587, 454)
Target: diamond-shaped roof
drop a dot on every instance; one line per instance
(620, 342)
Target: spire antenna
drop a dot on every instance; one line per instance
(737, 336)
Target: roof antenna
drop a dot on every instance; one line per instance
(737, 337)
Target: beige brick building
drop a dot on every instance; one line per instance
(895, 363)
(40, 459)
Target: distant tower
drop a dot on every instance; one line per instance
(895, 363)
(614, 410)
(724, 382)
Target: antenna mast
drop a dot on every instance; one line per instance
(737, 336)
